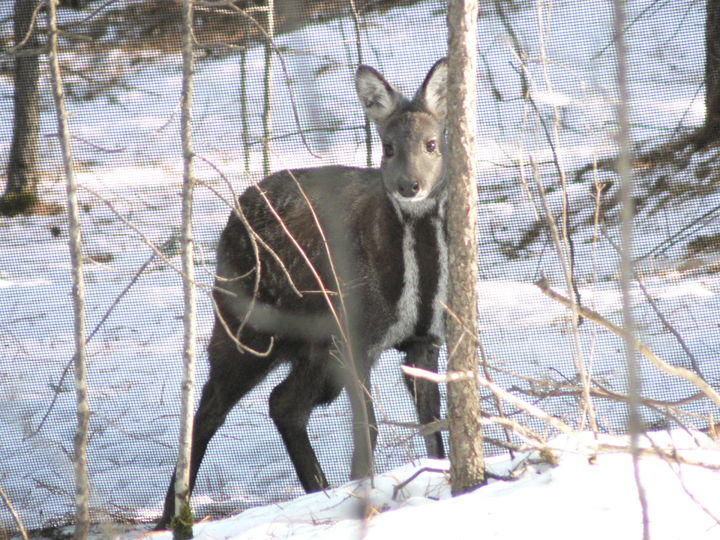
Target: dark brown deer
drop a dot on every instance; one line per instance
(326, 268)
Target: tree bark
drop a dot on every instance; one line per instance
(23, 173)
(82, 484)
(268, 85)
(182, 522)
(711, 129)
(467, 467)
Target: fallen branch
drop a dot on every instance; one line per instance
(417, 473)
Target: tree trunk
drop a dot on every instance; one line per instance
(627, 198)
(23, 172)
(711, 129)
(82, 483)
(268, 85)
(183, 520)
(467, 467)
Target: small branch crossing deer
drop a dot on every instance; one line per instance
(326, 268)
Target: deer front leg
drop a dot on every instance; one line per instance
(425, 394)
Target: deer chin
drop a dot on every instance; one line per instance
(416, 206)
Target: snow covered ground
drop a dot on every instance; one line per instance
(134, 167)
(587, 493)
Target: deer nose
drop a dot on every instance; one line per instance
(408, 188)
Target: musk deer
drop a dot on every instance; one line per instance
(327, 267)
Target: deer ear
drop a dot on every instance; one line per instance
(432, 95)
(379, 100)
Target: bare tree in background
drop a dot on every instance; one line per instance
(711, 130)
(467, 465)
(82, 485)
(267, 85)
(23, 172)
(183, 520)
(624, 169)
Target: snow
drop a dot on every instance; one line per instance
(135, 354)
(589, 492)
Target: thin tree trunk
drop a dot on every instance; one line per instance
(245, 129)
(624, 169)
(467, 467)
(358, 47)
(82, 484)
(268, 83)
(711, 129)
(23, 172)
(182, 523)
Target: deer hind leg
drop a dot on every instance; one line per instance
(233, 373)
(425, 394)
(312, 381)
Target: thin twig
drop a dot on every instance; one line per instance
(92, 334)
(575, 306)
(676, 371)
(358, 46)
(14, 513)
(254, 236)
(12, 51)
(668, 326)
(675, 465)
(93, 145)
(270, 40)
(158, 250)
(401, 485)
(498, 402)
(91, 15)
(537, 412)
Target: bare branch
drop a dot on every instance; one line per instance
(666, 323)
(676, 371)
(14, 514)
(99, 325)
(271, 41)
(93, 145)
(503, 394)
(15, 49)
(563, 246)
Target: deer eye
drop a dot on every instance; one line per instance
(388, 150)
(430, 146)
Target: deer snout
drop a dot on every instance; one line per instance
(408, 188)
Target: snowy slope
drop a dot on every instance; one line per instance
(587, 493)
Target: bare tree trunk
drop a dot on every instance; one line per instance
(23, 173)
(183, 520)
(82, 484)
(358, 47)
(245, 130)
(711, 129)
(624, 169)
(467, 467)
(268, 83)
